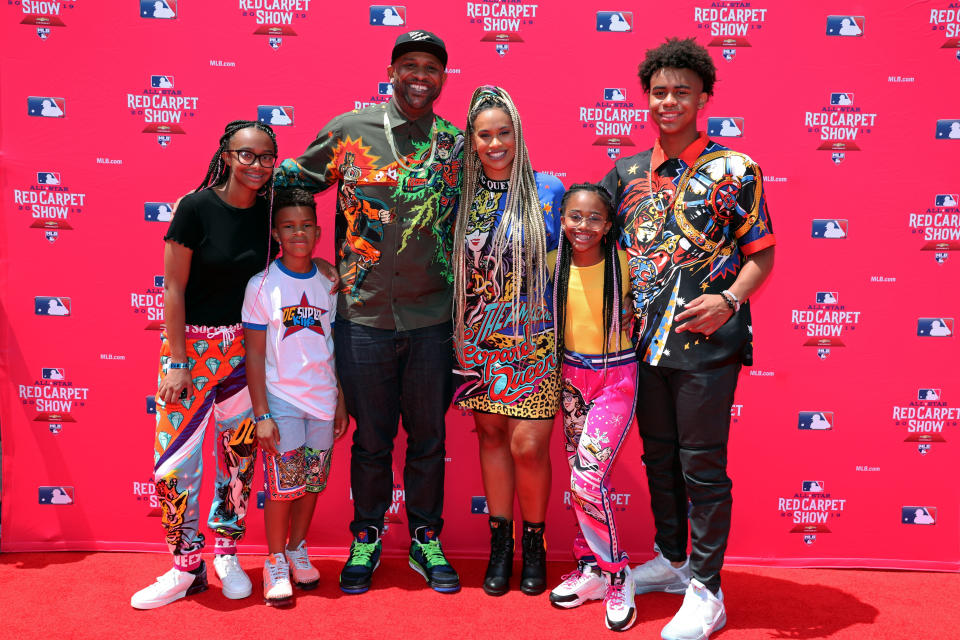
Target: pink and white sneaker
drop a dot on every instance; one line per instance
(304, 574)
(277, 591)
(583, 584)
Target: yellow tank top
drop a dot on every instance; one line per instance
(583, 330)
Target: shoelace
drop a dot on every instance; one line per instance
(614, 595)
(299, 557)
(433, 553)
(231, 567)
(276, 572)
(360, 552)
(572, 578)
(169, 579)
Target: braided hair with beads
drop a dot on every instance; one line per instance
(611, 275)
(521, 229)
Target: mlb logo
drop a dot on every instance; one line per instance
(940, 256)
(275, 115)
(51, 235)
(384, 88)
(158, 282)
(55, 495)
(841, 99)
(163, 141)
(948, 129)
(152, 405)
(55, 428)
(935, 327)
(845, 25)
(43, 32)
(918, 515)
(946, 200)
(929, 394)
(809, 538)
(923, 448)
(823, 352)
(48, 177)
(51, 306)
(614, 94)
(815, 420)
(729, 54)
(827, 297)
(385, 15)
(261, 499)
(728, 127)
(478, 504)
(275, 42)
(829, 229)
(812, 486)
(613, 152)
(161, 82)
(52, 373)
(615, 21)
(46, 107)
(162, 9)
(502, 48)
(158, 211)
(837, 157)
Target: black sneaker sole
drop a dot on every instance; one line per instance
(438, 587)
(278, 602)
(307, 586)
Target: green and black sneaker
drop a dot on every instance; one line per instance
(427, 559)
(364, 559)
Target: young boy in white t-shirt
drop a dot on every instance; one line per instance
(287, 314)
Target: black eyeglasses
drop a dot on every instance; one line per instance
(267, 160)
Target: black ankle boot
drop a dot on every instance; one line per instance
(500, 567)
(533, 578)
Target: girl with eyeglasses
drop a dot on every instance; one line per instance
(599, 373)
(218, 239)
(503, 335)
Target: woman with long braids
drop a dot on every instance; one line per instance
(218, 239)
(599, 374)
(503, 332)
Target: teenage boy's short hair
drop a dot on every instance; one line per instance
(293, 197)
(679, 54)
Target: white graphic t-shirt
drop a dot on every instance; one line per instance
(296, 310)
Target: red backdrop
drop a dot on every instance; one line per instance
(853, 133)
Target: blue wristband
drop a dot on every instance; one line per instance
(178, 365)
(266, 416)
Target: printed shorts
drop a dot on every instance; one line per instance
(306, 446)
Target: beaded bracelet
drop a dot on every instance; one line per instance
(266, 416)
(731, 300)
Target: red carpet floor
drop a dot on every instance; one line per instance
(58, 596)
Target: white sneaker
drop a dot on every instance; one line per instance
(236, 584)
(276, 581)
(170, 587)
(304, 574)
(659, 575)
(578, 586)
(701, 614)
(621, 613)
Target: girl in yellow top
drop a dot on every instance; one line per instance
(598, 397)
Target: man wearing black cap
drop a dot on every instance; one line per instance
(397, 168)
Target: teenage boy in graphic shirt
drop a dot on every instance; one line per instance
(700, 243)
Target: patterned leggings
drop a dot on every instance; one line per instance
(216, 359)
(597, 408)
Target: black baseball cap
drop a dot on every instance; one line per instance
(419, 41)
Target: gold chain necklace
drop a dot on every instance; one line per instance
(388, 132)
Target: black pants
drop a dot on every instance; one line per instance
(684, 420)
(387, 375)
